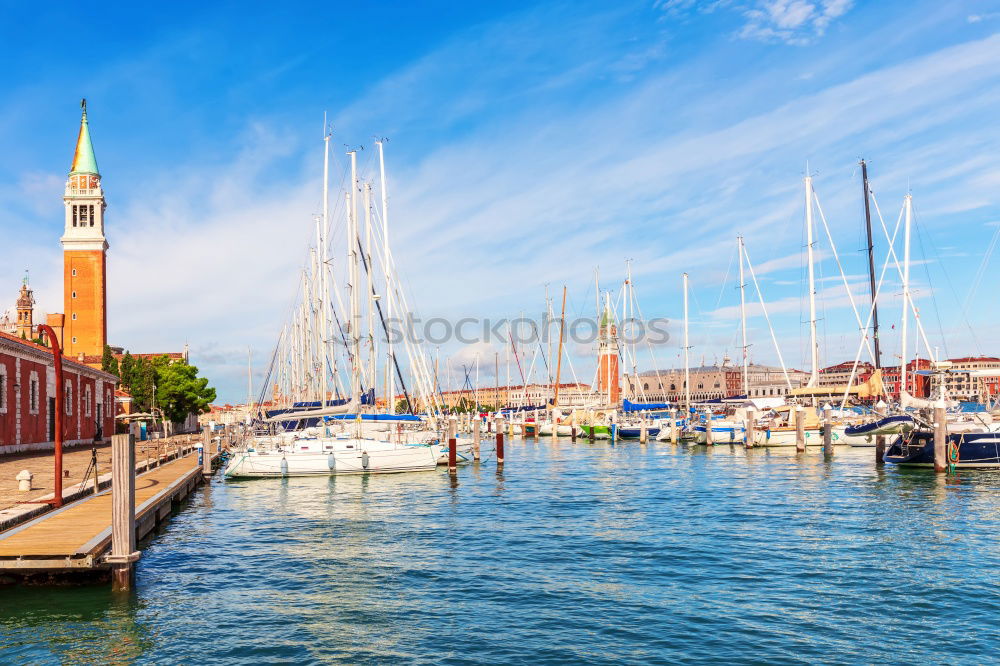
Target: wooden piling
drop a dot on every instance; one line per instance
(708, 428)
(940, 438)
(206, 452)
(748, 429)
(642, 432)
(827, 431)
(476, 436)
(572, 433)
(673, 426)
(499, 432)
(879, 450)
(123, 552)
(800, 429)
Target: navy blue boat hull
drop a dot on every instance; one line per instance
(888, 426)
(975, 450)
(634, 433)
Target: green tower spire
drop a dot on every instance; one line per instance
(83, 159)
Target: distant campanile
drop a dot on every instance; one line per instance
(85, 295)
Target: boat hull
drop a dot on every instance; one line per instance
(975, 450)
(721, 434)
(261, 464)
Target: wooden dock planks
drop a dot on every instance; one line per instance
(84, 528)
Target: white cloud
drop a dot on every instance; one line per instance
(791, 21)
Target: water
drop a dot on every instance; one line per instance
(576, 553)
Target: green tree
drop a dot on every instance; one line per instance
(143, 383)
(109, 363)
(180, 391)
(127, 370)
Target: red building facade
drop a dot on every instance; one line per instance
(27, 398)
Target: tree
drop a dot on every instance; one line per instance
(180, 391)
(127, 370)
(109, 363)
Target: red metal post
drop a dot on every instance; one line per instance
(57, 499)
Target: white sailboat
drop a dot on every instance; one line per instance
(348, 438)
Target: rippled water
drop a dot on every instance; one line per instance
(574, 553)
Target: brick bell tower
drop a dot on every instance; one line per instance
(84, 252)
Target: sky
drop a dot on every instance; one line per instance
(528, 145)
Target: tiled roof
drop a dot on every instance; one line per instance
(69, 361)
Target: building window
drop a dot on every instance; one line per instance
(74, 316)
(68, 398)
(33, 393)
(74, 215)
(74, 339)
(91, 215)
(3, 389)
(86, 400)
(74, 294)
(74, 272)
(701, 385)
(645, 387)
(673, 387)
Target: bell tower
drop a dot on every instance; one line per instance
(25, 310)
(84, 252)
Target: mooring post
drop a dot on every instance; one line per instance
(123, 553)
(642, 432)
(572, 432)
(709, 439)
(206, 452)
(499, 432)
(940, 437)
(748, 429)
(476, 437)
(673, 426)
(452, 444)
(800, 429)
(879, 450)
(827, 431)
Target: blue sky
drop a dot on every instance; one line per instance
(528, 143)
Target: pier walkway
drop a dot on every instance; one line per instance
(78, 536)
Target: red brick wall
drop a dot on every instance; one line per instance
(8, 421)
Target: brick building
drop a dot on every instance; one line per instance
(28, 396)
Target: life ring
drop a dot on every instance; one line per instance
(953, 452)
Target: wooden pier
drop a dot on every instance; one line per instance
(75, 540)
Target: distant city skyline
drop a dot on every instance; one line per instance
(529, 144)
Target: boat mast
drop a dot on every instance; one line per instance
(324, 261)
(871, 263)
(249, 379)
(906, 293)
(813, 345)
(390, 389)
(743, 319)
(352, 253)
(548, 334)
(562, 320)
(370, 287)
(687, 351)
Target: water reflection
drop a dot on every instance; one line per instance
(77, 625)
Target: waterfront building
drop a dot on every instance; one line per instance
(28, 398)
(712, 382)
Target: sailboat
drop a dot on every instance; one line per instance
(348, 436)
